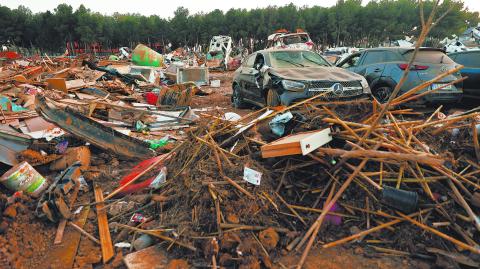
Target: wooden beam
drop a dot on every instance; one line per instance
(103, 229)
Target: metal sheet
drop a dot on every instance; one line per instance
(10, 145)
(38, 124)
(93, 132)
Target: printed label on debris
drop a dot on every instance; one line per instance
(252, 176)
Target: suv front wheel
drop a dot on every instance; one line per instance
(237, 98)
(382, 93)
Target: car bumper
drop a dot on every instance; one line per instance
(452, 96)
(471, 93)
(288, 97)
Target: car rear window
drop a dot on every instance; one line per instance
(294, 39)
(333, 52)
(382, 56)
(430, 57)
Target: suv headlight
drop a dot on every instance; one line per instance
(366, 88)
(295, 86)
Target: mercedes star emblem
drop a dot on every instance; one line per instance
(337, 89)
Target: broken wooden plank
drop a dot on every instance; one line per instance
(66, 85)
(61, 73)
(82, 231)
(104, 230)
(57, 84)
(60, 231)
(62, 256)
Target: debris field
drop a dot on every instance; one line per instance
(106, 165)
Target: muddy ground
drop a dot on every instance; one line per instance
(27, 242)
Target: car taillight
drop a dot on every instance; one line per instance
(421, 67)
(309, 44)
(413, 67)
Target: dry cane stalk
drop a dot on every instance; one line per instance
(406, 96)
(442, 235)
(317, 228)
(374, 229)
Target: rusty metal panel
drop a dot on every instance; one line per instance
(93, 132)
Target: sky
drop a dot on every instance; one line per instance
(165, 9)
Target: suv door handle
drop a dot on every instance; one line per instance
(377, 70)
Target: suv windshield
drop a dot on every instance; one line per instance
(430, 57)
(295, 58)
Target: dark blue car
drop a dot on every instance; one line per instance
(471, 61)
(383, 69)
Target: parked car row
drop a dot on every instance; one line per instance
(282, 76)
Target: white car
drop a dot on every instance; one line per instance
(300, 40)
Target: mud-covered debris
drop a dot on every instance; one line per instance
(177, 264)
(269, 238)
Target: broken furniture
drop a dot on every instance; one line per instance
(183, 74)
(301, 143)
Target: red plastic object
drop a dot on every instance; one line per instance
(137, 187)
(151, 98)
(139, 168)
(11, 55)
